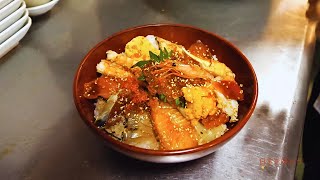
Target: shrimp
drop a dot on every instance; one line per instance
(170, 46)
(215, 67)
(179, 69)
(229, 88)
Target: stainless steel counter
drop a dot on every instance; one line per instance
(42, 136)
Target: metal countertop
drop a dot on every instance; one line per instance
(42, 136)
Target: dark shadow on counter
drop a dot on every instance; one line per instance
(273, 132)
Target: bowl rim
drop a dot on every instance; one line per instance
(42, 6)
(128, 148)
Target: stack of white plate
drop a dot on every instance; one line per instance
(14, 24)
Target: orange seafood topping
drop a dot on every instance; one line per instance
(215, 120)
(230, 89)
(105, 86)
(173, 135)
(200, 50)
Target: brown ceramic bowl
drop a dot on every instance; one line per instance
(184, 35)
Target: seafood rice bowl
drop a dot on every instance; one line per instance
(159, 95)
(165, 93)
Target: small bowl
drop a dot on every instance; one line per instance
(39, 10)
(184, 35)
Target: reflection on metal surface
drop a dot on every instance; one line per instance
(37, 77)
(6, 150)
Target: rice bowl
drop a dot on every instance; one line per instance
(182, 35)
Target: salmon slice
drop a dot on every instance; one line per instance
(230, 89)
(173, 130)
(200, 50)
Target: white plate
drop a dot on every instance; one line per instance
(6, 22)
(3, 3)
(10, 8)
(4, 35)
(13, 41)
(38, 10)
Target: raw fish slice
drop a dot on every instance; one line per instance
(140, 131)
(173, 130)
